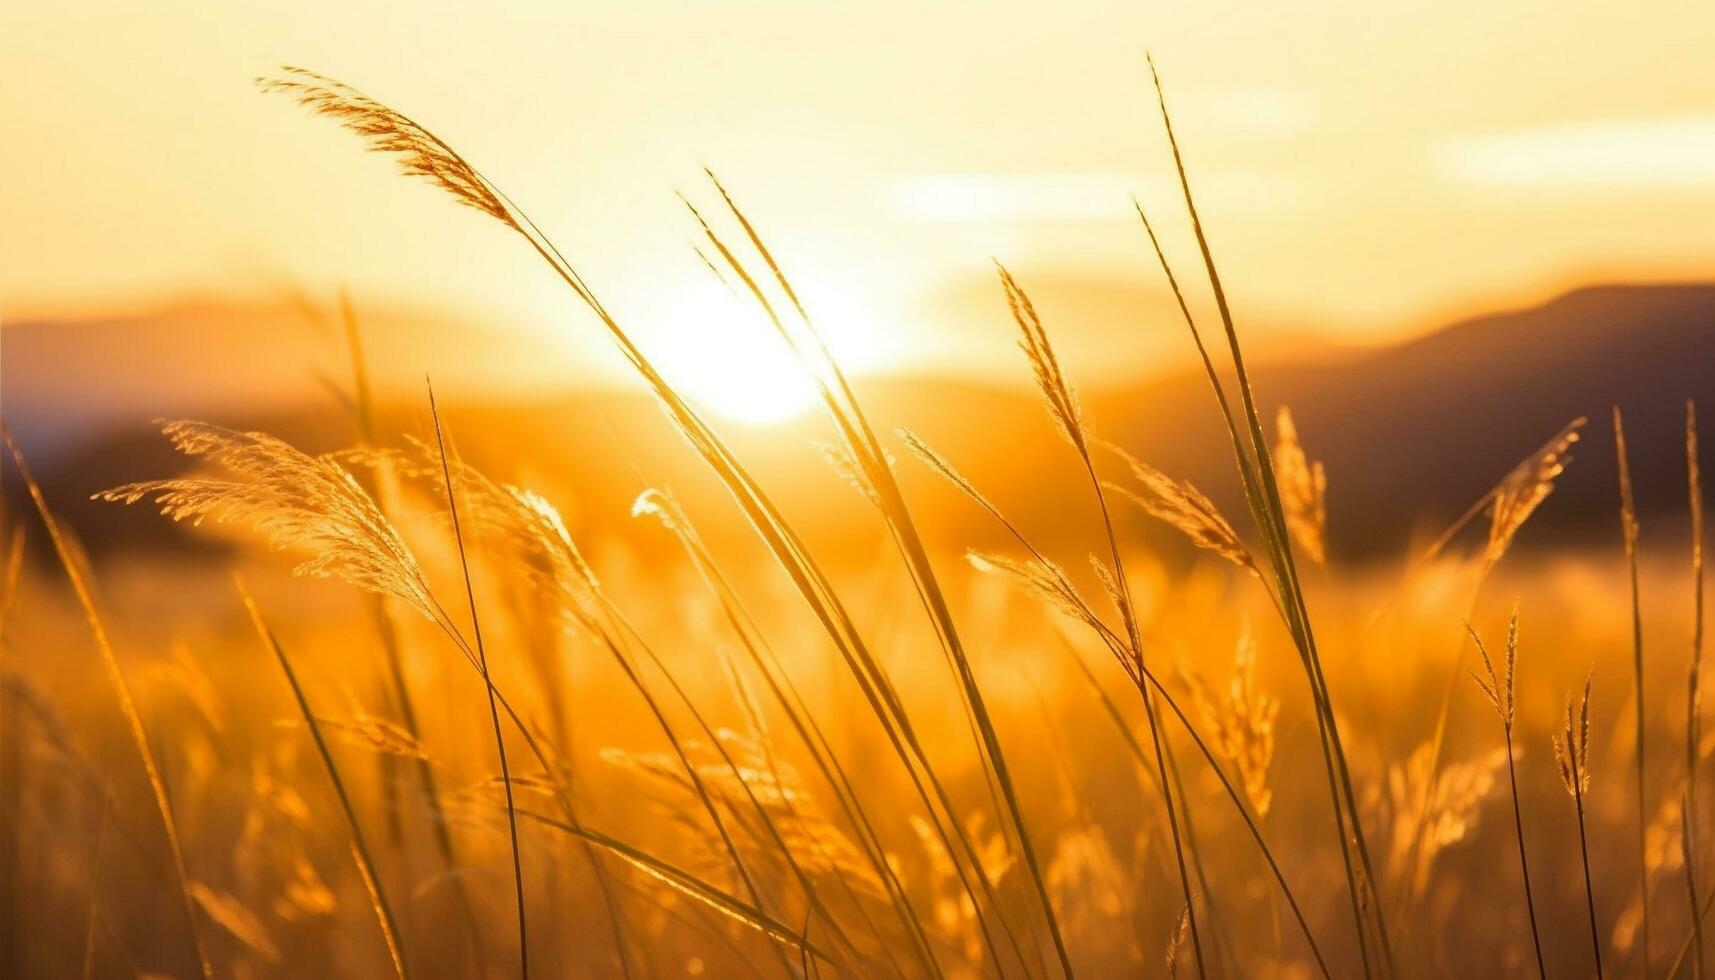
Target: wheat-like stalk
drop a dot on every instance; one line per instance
(1062, 400)
(383, 486)
(1509, 504)
(1501, 693)
(1176, 942)
(1629, 533)
(1499, 690)
(664, 508)
(1303, 489)
(1039, 578)
(525, 525)
(1242, 720)
(297, 502)
(1525, 488)
(1572, 755)
(376, 734)
(418, 152)
(488, 685)
(1572, 743)
(1516, 497)
(1064, 410)
(1186, 509)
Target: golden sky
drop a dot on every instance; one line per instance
(1366, 167)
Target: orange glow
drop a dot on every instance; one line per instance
(1369, 191)
(723, 356)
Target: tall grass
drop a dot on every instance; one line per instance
(422, 154)
(1572, 754)
(1502, 693)
(360, 849)
(70, 562)
(1068, 417)
(1629, 531)
(1693, 688)
(782, 826)
(488, 686)
(1262, 496)
(387, 628)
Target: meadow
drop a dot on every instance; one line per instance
(416, 722)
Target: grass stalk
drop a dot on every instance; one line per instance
(1572, 754)
(1589, 889)
(771, 830)
(1523, 860)
(363, 410)
(691, 886)
(798, 715)
(1502, 694)
(860, 440)
(1693, 687)
(1113, 713)
(1124, 656)
(122, 691)
(488, 683)
(360, 849)
(1063, 409)
(1629, 530)
(1266, 529)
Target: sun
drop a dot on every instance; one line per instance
(728, 359)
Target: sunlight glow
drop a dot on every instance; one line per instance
(725, 357)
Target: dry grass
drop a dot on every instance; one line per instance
(670, 758)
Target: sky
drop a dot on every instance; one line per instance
(1366, 169)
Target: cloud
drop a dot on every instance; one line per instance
(1066, 196)
(1671, 153)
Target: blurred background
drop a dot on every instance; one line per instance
(1448, 230)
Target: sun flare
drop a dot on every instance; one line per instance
(728, 360)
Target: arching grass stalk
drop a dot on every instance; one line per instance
(422, 154)
(877, 476)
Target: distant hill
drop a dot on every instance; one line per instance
(1410, 434)
(65, 381)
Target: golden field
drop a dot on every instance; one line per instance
(406, 705)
